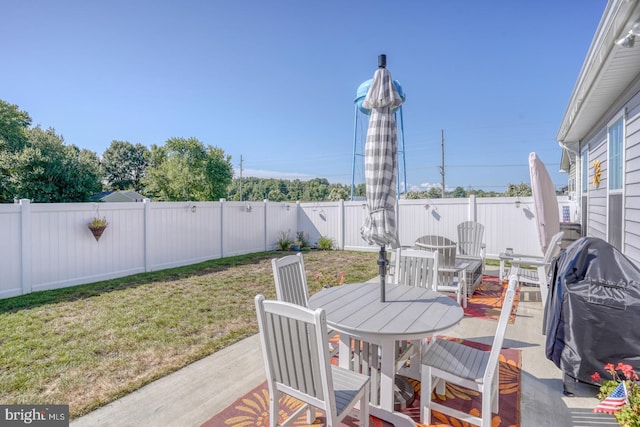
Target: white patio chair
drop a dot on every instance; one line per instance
(450, 277)
(413, 268)
(291, 285)
(450, 361)
(470, 245)
(297, 363)
(291, 279)
(542, 265)
(416, 268)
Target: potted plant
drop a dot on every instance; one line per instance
(97, 226)
(302, 238)
(626, 410)
(296, 246)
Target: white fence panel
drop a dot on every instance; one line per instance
(63, 252)
(10, 261)
(508, 226)
(182, 233)
(280, 218)
(322, 219)
(47, 246)
(243, 229)
(354, 216)
(430, 217)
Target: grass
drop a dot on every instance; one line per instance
(88, 345)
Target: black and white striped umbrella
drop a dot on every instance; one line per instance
(381, 161)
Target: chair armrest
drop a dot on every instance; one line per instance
(528, 261)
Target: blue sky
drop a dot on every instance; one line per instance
(274, 81)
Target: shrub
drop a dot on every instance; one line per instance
(303, 239)
(283, 241)
(325, 243)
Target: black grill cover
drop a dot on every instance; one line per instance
(592, 314)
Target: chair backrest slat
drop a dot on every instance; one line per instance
(295, 349)
(470, 235)
(446, 249)
(291, 280)
(416, 268)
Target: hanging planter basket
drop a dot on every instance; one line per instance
(97, 227)
(97, 230)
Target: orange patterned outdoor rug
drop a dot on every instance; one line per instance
(252, 409)
(486, 301)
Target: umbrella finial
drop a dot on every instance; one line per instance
(382, 61)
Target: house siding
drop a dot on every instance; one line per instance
(597, 205)
(632, 179)
(597, 215)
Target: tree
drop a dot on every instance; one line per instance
(459, 192)
(434, 193)
(48, 171)
(338, 192)
(124, 165)
(13, 126)
(520, 190)
(184, 169)
(317, 189)
(13, 137)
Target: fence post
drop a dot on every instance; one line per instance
(266, 222)
(25, 244)
(342, 225)
(221, 231)
(473, 211)
(147, 234)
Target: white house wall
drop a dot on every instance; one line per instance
(597, 226)
(632, 179)
(597, 197)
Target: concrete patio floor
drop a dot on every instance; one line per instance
(194, 394)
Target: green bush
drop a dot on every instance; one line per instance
(325, 243)
(303, 239)
(283, 241)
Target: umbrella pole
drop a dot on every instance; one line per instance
(382, 269)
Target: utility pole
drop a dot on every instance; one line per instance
(240, 177)
(442, 167)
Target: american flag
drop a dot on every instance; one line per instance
(614, 402)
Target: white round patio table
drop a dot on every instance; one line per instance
(409, 313)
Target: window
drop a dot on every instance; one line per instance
(615, 156)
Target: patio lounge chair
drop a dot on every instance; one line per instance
(450, 276)
(471, 248)
(538, 276)
(450, 361)
(297, 363)
(291, 285)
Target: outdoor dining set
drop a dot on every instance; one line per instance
(379, 341)
(384, 330)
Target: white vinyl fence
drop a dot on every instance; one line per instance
(49, 246)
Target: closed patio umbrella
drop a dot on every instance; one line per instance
(380, 160)
(545, 202)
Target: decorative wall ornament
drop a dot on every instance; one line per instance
(596, 173)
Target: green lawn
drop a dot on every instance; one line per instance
(88, 345)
